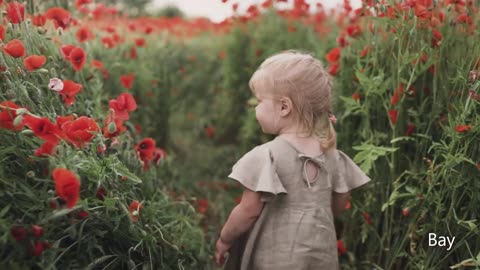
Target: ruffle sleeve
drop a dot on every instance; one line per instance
(349, 176)
(256, 171)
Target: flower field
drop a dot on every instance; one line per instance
(117, 132)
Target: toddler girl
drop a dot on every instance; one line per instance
(294, 184)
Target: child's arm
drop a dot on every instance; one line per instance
(242, 217)
(339, 201)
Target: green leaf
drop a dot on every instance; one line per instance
(369, 153)
(4, 210)
(402, 138)
(470, 224)
(123, 171)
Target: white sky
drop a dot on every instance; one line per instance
(217, 11)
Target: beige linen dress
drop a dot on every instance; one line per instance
(295, 230)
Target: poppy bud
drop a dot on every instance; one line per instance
(21, 111)
(112, 128)
(36, 249)
(41, 31)
(42, 70)
(37, 231)
(18, 120)
(53, 72)
(27, 132)
(19, 233)
(30, 174)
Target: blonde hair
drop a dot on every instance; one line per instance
(302, 78)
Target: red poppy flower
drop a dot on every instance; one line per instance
(18, 232)
(101, 192)
(333, 69)
(39, 20)
(148, 29)
(62, 120)
(138, 128)
(367, 218)
(122, 105)
(436, 38)
(8, 114)
(66, 50)
(202, 205)
(145, 149)
(133, 53)
(97, 64)
(210, 131)
(127, 80)
(107, 42)
(356, 96)
(159, 155)
(463, 18)
(365, 51)
(15, 12)
(80, 3)
(393, 116)
(83, 34)
(341, 247)
(117, 38)
(333, 55)
(34, 62)
(82, 214)
(36, 249)
(410, 129)
(110, 29)
(46, 149)
(37, 231)
(14, 48)
(222, 54)
(42, 127)
(354, 30)
(463, 128)
(135, 206)
(422, 12)
(2, 33)
(70, 89)
(80, 131)
(342, 41)
(78, 58)
(140, 42)
(405, 211)
(67, 186)
(134, 210)
(61, 17)
(397, 94)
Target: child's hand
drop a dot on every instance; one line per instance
(221, 249)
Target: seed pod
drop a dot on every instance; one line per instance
(18, 120)
(112, 128)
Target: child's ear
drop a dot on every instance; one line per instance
(285, 106)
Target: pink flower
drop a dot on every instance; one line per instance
(55, 84)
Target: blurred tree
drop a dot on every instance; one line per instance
(169, 11)
(132, 7)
